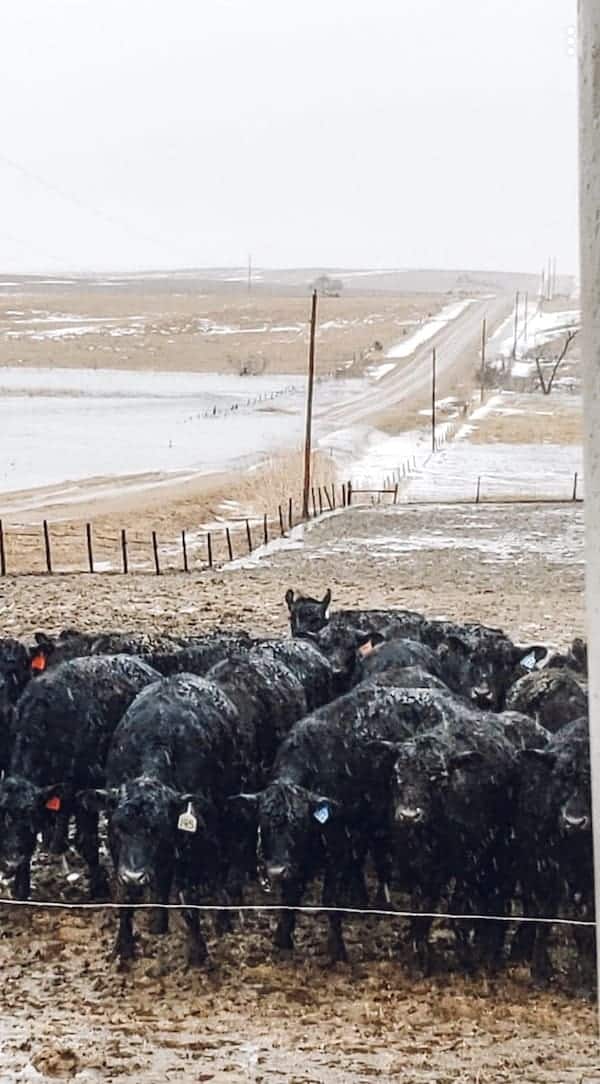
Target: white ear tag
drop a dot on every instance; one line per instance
(187, 821)
(322, 814)
(529, 661)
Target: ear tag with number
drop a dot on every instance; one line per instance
(187, 821)
(529, 661)
(53, 804)
(322, 814)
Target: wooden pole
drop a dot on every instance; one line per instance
(229, 546)
(47, 547)
(433, 376)
(281, 523)
(2, 552)
(309, 407)
(516, 331)
(328, 498)
(249, 536)
(290, 513)
(349, 492)
(478, 490)
(209, 550)
(124, 550)
(90, 549)
(186, 567)
(314, 500)
(333, 494)
(482, 376)
(265, 530)
(343, 494)
(320, 501)
(575, 486)
(396, 493)
(155, 551)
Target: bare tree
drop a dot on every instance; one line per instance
(546, 385)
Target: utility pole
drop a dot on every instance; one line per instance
(514, 349)
(482, 377)
(309, 407)
(433, 360)
(589, 201)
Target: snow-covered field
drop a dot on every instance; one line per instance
(69, 425)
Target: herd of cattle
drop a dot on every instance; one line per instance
(447, 759)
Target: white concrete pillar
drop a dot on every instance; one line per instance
(589, 197)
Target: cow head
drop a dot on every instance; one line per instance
(290, 820)
(307, 615)
(24, 811)
(148, 822)
(345, 647)
(481, 663)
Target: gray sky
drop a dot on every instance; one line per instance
(379, 133)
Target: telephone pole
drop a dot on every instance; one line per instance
(309, 407)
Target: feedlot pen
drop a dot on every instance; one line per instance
(68, 1015)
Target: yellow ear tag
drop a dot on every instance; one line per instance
(187, 821)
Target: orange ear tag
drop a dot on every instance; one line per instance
(53, 803)
(39, 663)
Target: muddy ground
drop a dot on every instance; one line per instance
(68, 1014)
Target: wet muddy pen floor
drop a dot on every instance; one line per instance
(68, 1013)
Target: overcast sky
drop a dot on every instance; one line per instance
(355, 133)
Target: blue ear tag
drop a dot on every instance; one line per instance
(529, 661)
(321, 814)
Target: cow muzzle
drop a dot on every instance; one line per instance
(572, 823)
(133, 878)
(409, 814)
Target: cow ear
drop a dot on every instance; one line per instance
(456, 643)
(529, 657)
(43, 641)
(250, 800)
(326, 600)
(537, 756)
(51, 797)
(469, 757)
(384, 753)
(97, 799)
(289, 598)
(369, 643)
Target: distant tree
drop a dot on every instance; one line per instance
(546, 385)
(327, 286)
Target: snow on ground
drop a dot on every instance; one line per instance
(115, 382)
(540, 327)
(428, 329)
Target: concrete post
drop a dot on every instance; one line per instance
(589, 197)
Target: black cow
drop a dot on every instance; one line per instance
(268, 695)
(575, 658)
(199, 656)
(450, 817)
(63, 726)
(325, 805)
(177, 754)
(14, 675)
(392, 657)
(308, 616)
(478, 662)
(553, 859)
(313, 669)
(553, 696)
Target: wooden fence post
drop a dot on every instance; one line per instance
(2, 553)
(90, 548)
(396, 493)
(229, 546)
(320, 500)
(328, 498)
(478, 490)
(343, 494)
(124, 550)
(249, 536)
(314, 502)
(349, 492)
(333, 493)
(291, 513)
(184, 550)
(265, 530)
(47, 547)
(155, 551)
(209, 550)
(281, 523)
(575, 487)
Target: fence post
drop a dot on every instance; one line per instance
(291, 513)
(349, 491)
(124, 550)
(265, 529)
(396, 493)
(314, 502)
(281, 523)
(90, 549)
(2, 553)
(478, 490)
(209, 550)
(249, 536)
(184, 550)
(327, 498)
(47, 547)
(575, 487)
(320, 500)
(155, 551)
(343, 494)
(333, 494)
(229, 546)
